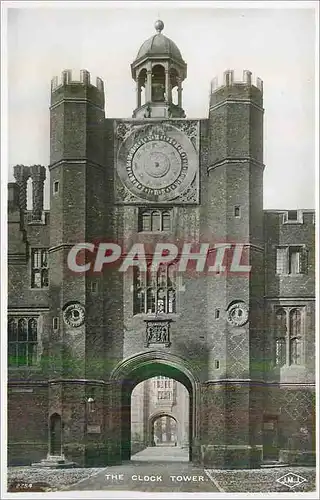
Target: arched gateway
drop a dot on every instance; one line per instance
(154, 419)
(140, 367)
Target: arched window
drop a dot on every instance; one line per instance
(166, 221)
(295, 323)
(154, 220)
(295, 345)
(174, 84)
(281, 351)
(139, 304)
(280, 337)
(146, 221)
(22, 330)
(288, 336)
(39, 268)
(171, 300)
(12, 330)
(151, 301)
(155, 291)
(22, 341)
(158, 84)
(141, 98)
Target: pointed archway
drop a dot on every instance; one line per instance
(55, 434)
(154, 418)
(144, 366)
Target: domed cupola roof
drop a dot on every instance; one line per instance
(159, 45)
(157, 70)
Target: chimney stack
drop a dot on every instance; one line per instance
(13, 197)
(21, 174)
(38, 176)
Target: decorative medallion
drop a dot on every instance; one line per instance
(238, 314)
(157, 163)
(157, 332)
(74, 315)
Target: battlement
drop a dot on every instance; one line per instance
(69, 77)
(229, 80)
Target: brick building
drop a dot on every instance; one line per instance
(242, 344)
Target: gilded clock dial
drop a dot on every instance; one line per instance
(156, 162)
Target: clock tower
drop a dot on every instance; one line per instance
(238, 335)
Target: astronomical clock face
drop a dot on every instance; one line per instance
(157, 166)
(238, 314)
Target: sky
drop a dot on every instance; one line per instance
(276, 44)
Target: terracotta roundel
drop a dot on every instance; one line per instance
(157, 167)
(238, 314)
(74, 315)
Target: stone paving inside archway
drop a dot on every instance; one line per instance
(162, 454)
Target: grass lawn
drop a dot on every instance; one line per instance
(229, 481)
(263, 480)
(42, 479)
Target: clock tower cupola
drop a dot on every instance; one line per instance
(159, 71)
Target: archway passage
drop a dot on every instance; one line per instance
(164, 431)
(55, 434)
(153, 370)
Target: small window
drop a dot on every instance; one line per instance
(56, 187)
(293, 217)
(291, 260)
(288, 328)
(39, 268)
(237, 211)
(217, 364)
(295, 254)
(94, 286)
(166, 221)
(155, 292)
(282, 260)
(154, 220)
(217, 314)
(55, 323)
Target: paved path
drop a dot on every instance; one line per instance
(155, 469)
(162, 454)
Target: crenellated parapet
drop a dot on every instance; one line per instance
(75, 85)
(231, 86)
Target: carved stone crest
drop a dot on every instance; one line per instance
(124, 195)
(122, 130)
(190, 128)
(191, 194)
(157, 332)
